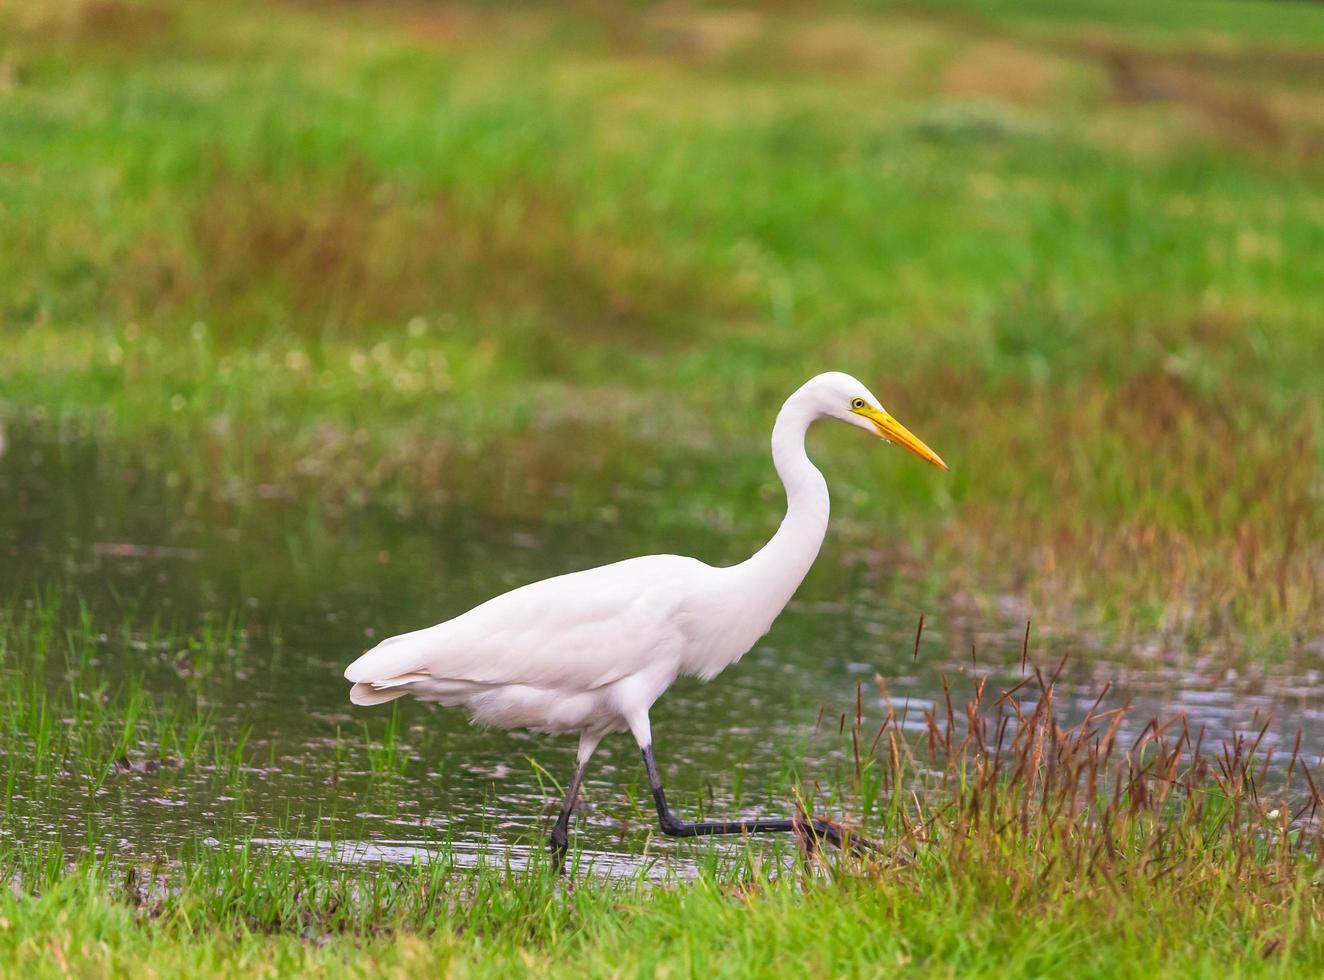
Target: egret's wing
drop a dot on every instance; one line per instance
(577, 631)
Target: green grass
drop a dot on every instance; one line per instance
(941, 923)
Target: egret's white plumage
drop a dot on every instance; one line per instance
(592, 650)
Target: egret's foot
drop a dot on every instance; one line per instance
(559, 845)
(813, 831)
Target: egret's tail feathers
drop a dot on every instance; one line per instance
(381, 691)
(367, 694)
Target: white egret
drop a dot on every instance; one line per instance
(589, 652)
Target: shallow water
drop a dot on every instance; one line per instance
(306, 586)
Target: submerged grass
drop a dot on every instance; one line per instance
(70, 724)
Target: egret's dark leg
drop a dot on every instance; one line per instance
(560, 839)
(812, 829)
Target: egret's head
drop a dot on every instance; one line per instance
(842, 397)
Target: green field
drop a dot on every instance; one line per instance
(563, 262)
(1079, 257)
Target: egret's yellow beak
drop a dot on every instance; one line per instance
(893, 431)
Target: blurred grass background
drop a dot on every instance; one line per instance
(572, 257)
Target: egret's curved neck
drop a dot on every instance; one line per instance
(778, 568)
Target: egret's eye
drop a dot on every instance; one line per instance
(857, 403)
